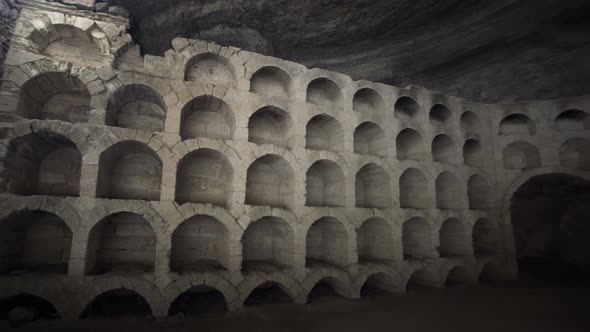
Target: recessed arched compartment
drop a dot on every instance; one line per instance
(373, 187)
(410, 145)
(375, 241)
(572, 120)
(440, 116)
(121, 243)
(327, 242)
(323, 132)
(76, 46)
(368, 101)
(270, 182)
(521, 155)
(204, 176)
(378, 283)
(268, 241)
(129, 170)
(517, 124)
(449, 192)
(35, 241)
(136, 106)
(198, 300)
(43, 309)
(417, 239)
(327, 288)
(444, 149)
(575, 153)
(324, 91)
(459, 275)
(268, 292)
(272, 81)
(271, 125)
(455, 239)
(120, 303)
(414, 190)
(209, 67)
(421, 279)
(485, 237)
(406, 109)
(325, 184)
(369, 138)
(473, 154)
(43, 163)
(470, 124)
(200, 243)
(55, 96)
(207, 116)
(478, 192)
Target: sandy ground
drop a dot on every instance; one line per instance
(511, 306)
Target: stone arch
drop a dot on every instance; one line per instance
(209, 67)
(575, 153)
(43, 163)
(268, 241)
(269, 291)
(470, 124)
(324, 132)
(521, 155)
(367, 100)
(325, 184)
(382, 281)
(485, 237)
(272, 81)
(327, 241)
(130, 303)
(204, 176)
(449, 191)
(369, 138)
(517, 124)
(478, 192)
(406, 109)
(270, 181)
(572, 120)
(136, 106)
(473, 153)
(324, 91)
(455, 239)
(207, 116)
(423, 277)
(459, 275)
(327, 283)
(197, 300)
(373, 187)
(375, 240)
(443, 149)
(129, 170)
(211, 282)
(410, 145)
(271, 125)
(43, 308)
(440, 115)
(414, 190)
(143, 209)
(417, 238)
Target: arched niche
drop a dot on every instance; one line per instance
(373, 187)
(455, 240)
(43, 163)
(470, 124)
(575, 153)
(369, 138)
(444, 149)
(485, 237)
(268, 241)
(410, 145)
(413, 190)
(323, 132)
(268, 292)
(368, 101)
(375, 241)
(520, 156)
(421, 279)
(327, 243)
(198, 300)
(76, 46)
(119, 303)
(458, 275)
(55, 96)
(209, 67)
(121, 243)
(517, 124)
(478, 192)
(378, 283)
(325, 184)
(204, 176)
(272, 81)
(207, 116)
(34, 241)
(324, 91)
(449, 194)
(326, 289)
(129, 170)
(41, 310)
(406, 109)
(271, 125)
(572, 120)
(136, 106)
(473, 153)
(270, 181)
(417, 239)
(440, 116)
(200, 243)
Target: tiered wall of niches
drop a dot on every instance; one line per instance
(217, 167)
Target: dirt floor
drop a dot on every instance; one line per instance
(509, 306)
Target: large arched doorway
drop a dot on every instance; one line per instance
(550, 215)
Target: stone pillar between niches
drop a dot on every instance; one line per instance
(77, 266)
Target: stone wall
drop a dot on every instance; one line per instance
(8, 13)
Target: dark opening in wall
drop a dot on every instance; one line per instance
(327, 242)
(455, 239)
(414, 190)
(422, 279)
(368, 101)
(473, 153)
(325, 184)
(327, 289)
(270, 182)
(449, 192)
(323, 91)
(136, 106)
(521, 156)
(198, 300)
(375, 241)
(209, 67)
(369, 138)
(73, 45)
(207, 116)
(470, 125)
(373, 187)
(379, 283)
(268, 293)
(271, 125)
(440, 116)
(410, 145)
(272, 81)
(458, 276)
(117, 303)
(417, 239)
(572, 120)
(26, 308)
(517, 124)
(444, 149)
(478, 192)
(269, 241)
(485, 237)
(575, 153)
(323, 132)
(406, 109)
